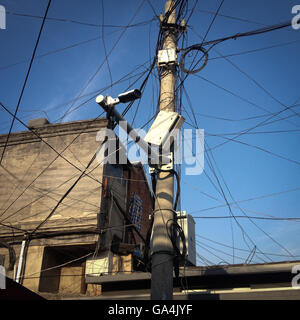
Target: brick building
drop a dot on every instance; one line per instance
(50, 237)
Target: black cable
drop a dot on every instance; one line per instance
(183, 56)
(233, 18)
(255, 147)
(57, 153)
(142, 23)
(257, 84)
(243, 250)
(250, 199)
(273, 114)
(66, 194)
(199, 47)
(255, 50)
(52, 52)
(224, 196)
(244, 233)
(54, 159)
(125, 78)
(104, 45)
(212, 22)
(221, 251)
(244, 34)
(175, 229)
(218, 257)
(249, 218)
(102, 63)
(43, 140)
(26, 78)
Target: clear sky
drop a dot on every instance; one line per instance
(258, 173)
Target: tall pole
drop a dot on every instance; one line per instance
(162, 251)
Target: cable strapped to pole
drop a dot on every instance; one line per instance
(187, 51)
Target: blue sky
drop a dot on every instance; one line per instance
(224, 95)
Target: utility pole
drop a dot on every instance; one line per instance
(162, 251)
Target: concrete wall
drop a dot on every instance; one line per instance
(33, 178)
(29, 190)
(33, 267)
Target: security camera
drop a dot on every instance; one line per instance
(125, 97)
(129, 96)
(164, 126)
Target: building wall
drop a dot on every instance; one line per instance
(27, 198)
(33, 178)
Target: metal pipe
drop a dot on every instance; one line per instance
(20, 264)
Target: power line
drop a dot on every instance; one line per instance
(221, 191)
(58, 155)
(123, 79)
(254, 147)
(264, 232)
(240, 249)
(102, 63)
(255, 50)
(43, 140)
(243, 34)
(260, 228)
(50, 164)
(245, 100)
(70, 190)
(204, 245)
(232, 17)
(52, 52)
(139, 24)
(217, 256)
(251, 133)
(26, 78)
(257, 84)
(224, 196)
(222, 118)
(246, 200)
(198, 48)
(44, 170)
(104, 46)
(212, 22)
(244, 233)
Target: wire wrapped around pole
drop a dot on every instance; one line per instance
(188, 50)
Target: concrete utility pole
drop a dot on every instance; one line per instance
(162, 249)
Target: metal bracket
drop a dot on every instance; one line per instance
(170, 165)
(166, 166)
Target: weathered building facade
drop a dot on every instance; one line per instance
(59, 210)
